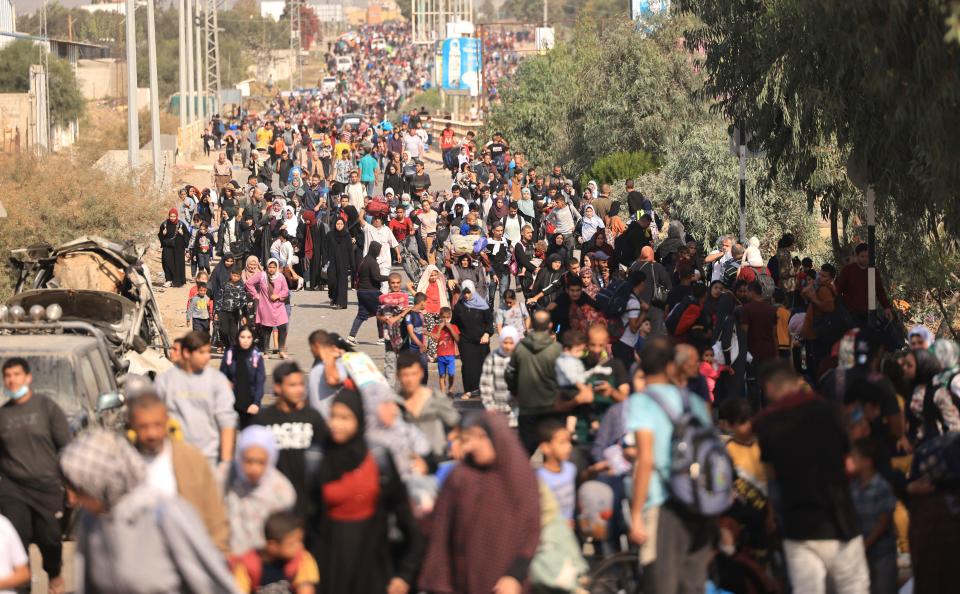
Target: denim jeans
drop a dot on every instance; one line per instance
(811, 562)
(500, 288)
(368, 302)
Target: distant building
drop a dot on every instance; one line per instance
(326, 12)
(8, 21)
(114, 7)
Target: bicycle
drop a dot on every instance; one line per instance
(410, 262)
(619, 573)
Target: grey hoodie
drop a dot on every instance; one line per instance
(531, 375)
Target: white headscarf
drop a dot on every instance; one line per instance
(441, 283)
(290, 225)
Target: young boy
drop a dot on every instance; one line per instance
(874, 501)
(569, 367)
(200, 310)
(230, 308)
(416, 341)
(283, 565)
(446, 335)
(558, 472)
(750, 508)
(203, 248)
(394, 306)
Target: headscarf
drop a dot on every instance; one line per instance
(176, 216)
(309, 219)
(505, 333)
(340, 235)
(274, 277)
(590, 222)
(646, 254)
(103, 465)
(340, 458)
(290, 225)
(373, 250)
(255, 436)
(476, 301)
(277, 209)
(923, 332)
(525, 204)
(252, 262)
(594, 188)
(468, 549)
(441, 283)
(501, 213)
(589, 286)
(674, 240)
(948, 353)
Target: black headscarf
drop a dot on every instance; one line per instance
(340, 458)
(374, 250)
(340, 235)
(241, 384)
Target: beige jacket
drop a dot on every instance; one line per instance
(198, 486)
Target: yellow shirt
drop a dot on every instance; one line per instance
(264, 137)
(307, 573)
(783, 328)
(339, 148)
(746, 459)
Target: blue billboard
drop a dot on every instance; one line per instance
(460, 65)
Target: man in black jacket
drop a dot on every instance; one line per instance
(523, 253)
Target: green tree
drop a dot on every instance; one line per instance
(66, 102)
(699, 184)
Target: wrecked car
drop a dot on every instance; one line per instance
(86, 304)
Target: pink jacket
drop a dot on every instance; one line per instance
(269, 313)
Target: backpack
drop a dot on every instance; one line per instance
(673, 318)
(701, 473)
(766, 282)
(252, 562)
(614, 298)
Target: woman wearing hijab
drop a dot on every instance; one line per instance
(313, 236)
(270, 290)
(338, 263)
(667, 251)
(393, 180)
(244, 367)
(486, 524)
(433, 285)
(590, 223)
(173, 238)
(615, 227)
(473, 316)
(129, 537)
(943, 414)
(369, 279)
(919, 368)
(920, 337)
(548, 283)
(498, 213)
(599, 243)
(590, 286)
(526, 207)
(558, 247)
(255, 488)
(358, 491)
(466, 271)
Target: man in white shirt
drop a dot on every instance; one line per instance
(174, 467)
(719, 257)
(382, 234)
(357, 192)
(413, 144)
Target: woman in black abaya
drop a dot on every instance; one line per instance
(313, 235)
(173, 237)
(338, 260)
(358, 490)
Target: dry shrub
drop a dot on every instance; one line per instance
(60, 197)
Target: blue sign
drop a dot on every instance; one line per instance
(645, 8)
(460, 65)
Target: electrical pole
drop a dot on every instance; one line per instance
(133, 130)
(182, 61)
(212, 46)
(197, 32)
(188, 35)
(872, 253)
(545, 4)
(154, 98)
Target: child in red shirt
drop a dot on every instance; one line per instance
(446, 335)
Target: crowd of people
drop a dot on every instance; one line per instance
(731, 418)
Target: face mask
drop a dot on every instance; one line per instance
(18, 394)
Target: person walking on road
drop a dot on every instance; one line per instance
(33, 431)
(175, 467)
(130, 537)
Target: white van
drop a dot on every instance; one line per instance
(344, 64)
(328, 84)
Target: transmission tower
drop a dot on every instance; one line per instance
(212, 55)
(295, 8)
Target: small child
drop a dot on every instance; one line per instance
(784, 342)
(202, 248)
(446, 335)
(200, 310)
(646, 327)
(874, 501)
(283, 565)
(16, 565)
(710, 370)
(230, 308)
(735, 417)
(570, 371)
(416, 342)
(558, 472)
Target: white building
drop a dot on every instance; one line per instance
(326, 12)
(8, 21)
(272, 9)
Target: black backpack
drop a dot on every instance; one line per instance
(614, 298)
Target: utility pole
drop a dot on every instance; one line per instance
(742, 143)
(188, 35)
(133, 130)
(545, 4)
(197, 32)
(872, 253)
(154, 98)
(212, 47)
(182, 61)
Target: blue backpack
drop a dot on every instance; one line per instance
(701, 473)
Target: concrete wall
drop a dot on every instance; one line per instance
(17, 125)
(102, 79)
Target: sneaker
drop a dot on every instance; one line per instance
(352, 340)
(381, 342)
(300, 284)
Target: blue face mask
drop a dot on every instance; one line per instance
(18, 394)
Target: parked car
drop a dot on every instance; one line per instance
(328, 84)
(344, 64)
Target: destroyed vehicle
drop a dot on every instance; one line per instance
(91, 281)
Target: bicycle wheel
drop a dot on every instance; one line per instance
(617, 574)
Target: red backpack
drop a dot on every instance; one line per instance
(253, 563)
